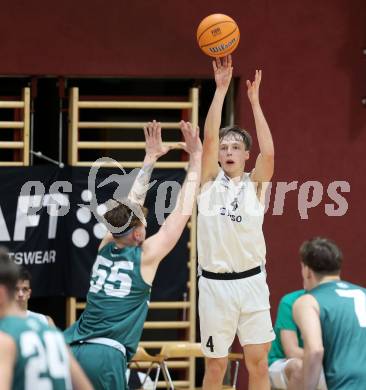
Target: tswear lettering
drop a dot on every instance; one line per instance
(37, 257)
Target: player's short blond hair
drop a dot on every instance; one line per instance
(237, 131)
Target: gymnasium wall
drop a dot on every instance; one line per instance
(314, 76)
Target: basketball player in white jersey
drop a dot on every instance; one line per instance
(234, 297)
(23, 293)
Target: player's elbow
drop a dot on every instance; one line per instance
(315, 354)
(268, 155)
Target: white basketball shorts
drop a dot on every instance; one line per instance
(230, 307)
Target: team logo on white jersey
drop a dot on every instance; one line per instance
(226, 212)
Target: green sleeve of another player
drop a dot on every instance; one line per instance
(285, 319)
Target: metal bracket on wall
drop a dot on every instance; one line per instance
(44, 157)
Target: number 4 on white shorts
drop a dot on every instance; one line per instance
(359, 300)
(210, 344)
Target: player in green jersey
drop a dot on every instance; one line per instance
(332, 320)
(106, 335)
(286, 350)
(286, 353)
(32, 355)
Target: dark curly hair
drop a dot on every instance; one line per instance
(322, 256)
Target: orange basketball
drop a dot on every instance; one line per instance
(218, 35)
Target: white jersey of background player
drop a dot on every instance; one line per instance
(234, 297)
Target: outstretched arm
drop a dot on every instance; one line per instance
(264, 165)
(306, 316)
(223, 72)
(159, 245)
(154, 149)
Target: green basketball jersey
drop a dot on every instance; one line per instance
(284, 321)
(117, 301)
(343, 322)
(42, 360)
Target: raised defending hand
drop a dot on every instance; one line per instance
(223, 71)
(154, 145)
(192, 144)
(253, 88)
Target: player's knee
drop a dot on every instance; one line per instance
(256, 359)
(257, 366)
(216, 368)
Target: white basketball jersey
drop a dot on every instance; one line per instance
(230, 219)
(39, 316)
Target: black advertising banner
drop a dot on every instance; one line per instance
(28, 227)
(49, 226)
